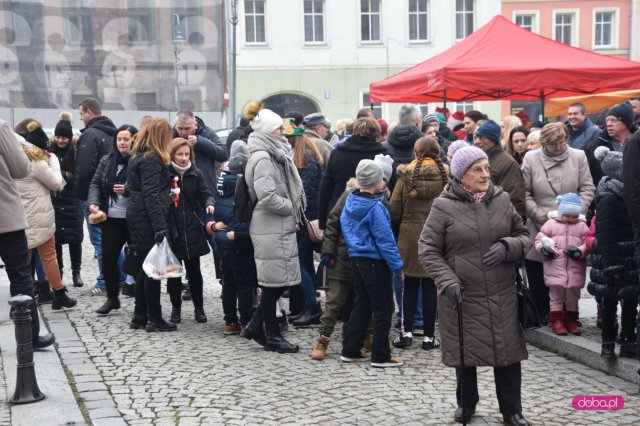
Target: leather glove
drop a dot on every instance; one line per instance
(329, 260)
(454, 293)
(160, 235)
(496, 254)
(573, 251)
(548, 254)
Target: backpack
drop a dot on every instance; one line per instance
(242, 202)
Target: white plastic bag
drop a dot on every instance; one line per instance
(161, 263)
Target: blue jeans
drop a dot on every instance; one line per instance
(418, 321)
(95, 236)
(37, 264)
(305, 257)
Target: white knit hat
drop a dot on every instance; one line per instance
(266, 121)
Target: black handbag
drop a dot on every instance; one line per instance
(527, 311)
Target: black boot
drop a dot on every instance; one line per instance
(62, 300)
(254, 329)
(608, 350)
(138, 322)
(43, 292)
(311, 315)
(77, 279)
(129, 290)
(200, 315)
(275, 342)
(108, 306)
(282, 322)
(160, 325)
(176, 315)
(41, 342)
(628, 349)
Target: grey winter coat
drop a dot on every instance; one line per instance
(13, 165)
(273, 224)
(455, 237)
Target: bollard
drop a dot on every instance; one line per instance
(27, 390)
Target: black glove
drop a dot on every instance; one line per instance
(160, 235)
(573, 251)
(496, 254)
(454, 293)
(548, 254)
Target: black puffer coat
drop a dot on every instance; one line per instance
(186, 223)
(68, 208)
(95, 143)
(225, 213)
(614, 274)
(400, 147)
(148, 184)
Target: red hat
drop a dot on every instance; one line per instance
(458, 115)
(441, 110)
(383, 126)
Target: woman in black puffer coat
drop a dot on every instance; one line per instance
(68, 208)
(614, 274)
(186, 227)
(148, 185)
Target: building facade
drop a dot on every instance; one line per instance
(322, 55)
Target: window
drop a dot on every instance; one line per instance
(78, 21)
(424, 109)
(525, 21)
(464, 106)
(366, 103)
(564, 28)
(313, 21)
(187, 22)
(370, 20)
(254, 18)
(464, 18)
(418, 20)
(604, 29)
(140, 14)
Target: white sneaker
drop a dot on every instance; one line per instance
(361, 358)
(392, 362)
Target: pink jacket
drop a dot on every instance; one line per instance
(564, 271)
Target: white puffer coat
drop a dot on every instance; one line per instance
(35, 195)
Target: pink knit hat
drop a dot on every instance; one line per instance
(463, 158)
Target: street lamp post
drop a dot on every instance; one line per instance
(233, 98)
(178, 39)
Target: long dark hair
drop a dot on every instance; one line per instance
(426, 147)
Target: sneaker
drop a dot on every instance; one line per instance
(229, 329)
(391, 362)
(404, 340)
(97, 291)
(361, 358)
(429, 343)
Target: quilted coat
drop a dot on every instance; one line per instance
(411, 213)
(564, 271)
(68, 208)
(455, 237)
(148, 184)
(13, 165)
(225, 213)
(568, 172)
(35, 195)
(506, 173)
(273, 224)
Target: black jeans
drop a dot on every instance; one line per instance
(270, 296)
(147, 296)
(14, 253)
(194, 275)
(508, 380)
(627, 319)
(240, 283)
(75, 253)
(429, 304)
(114, 234)
(372, 294)
(539, 291)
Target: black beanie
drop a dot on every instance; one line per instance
(36, 136)
(623, 112)
(63, 128)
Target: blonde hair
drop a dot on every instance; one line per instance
(300, 145)
(509, 122)
(534, 140)
(154, 138)
(178, 143)
(553, 133)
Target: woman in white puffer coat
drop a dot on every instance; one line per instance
(35, 195)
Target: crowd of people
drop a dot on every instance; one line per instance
(440, 212)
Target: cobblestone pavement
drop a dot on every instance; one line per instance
(198, 376)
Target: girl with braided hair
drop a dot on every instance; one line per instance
(419, 183)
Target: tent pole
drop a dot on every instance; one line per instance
(542, 101)
(444, 104)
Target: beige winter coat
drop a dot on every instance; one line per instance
(456, 236)
(569, 172)
(35, 195)
(13, 165)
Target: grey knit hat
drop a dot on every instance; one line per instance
(610, 162)
(464, 158)
(238, 156)
(368, 174)
(456, 146)
(386, 164)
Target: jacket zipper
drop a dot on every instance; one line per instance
(566, 256)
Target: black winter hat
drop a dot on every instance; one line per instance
(623, 112)
(63, 128)
(36, 136)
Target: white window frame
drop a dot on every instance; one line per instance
(266, 25)
(455, 20)
(380, 15)
(615, 28)
(535, 22)
(410, 15)
(461, 106)
(575, 28)
(377, 107)
(426, 106)
(324, 25)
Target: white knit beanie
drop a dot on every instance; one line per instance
(266, 121)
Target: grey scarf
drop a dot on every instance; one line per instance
(281, 152)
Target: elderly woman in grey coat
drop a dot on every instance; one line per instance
(469, 245)
(274, 183)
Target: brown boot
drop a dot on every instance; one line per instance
(319, 351)
(368, 343)
(43, 292)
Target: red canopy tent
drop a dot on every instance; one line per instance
(503, 61)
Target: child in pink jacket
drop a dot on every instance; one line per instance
(562, 241)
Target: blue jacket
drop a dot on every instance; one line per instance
(366, 227)
(579, 138)
(225, 213)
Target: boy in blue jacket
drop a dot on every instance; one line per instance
(366, 227)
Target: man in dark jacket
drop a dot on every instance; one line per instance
(580, 128)
(94, 143)
(403, 138)
(236, 133)
(505, 171)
